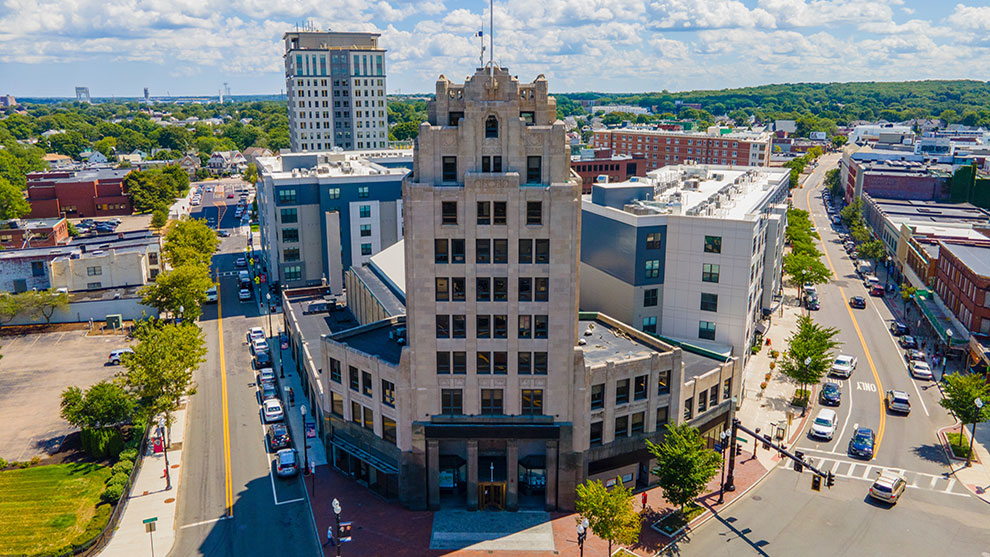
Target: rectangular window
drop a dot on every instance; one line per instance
(640, 385)
(448, 212)
(453, 118)
(290, 254)
(637, 423)
(369, 419)
(457, 250)
(534, 170)
(653, 268)
(483, 289)
(529, 117)
(532, 402)
(459, 363)
(286, 196)
(289, 216)
(596, 434)
(290, 234)
(709, 302)
(621, 391)
(500, 362)
(366, 386)
(337, 405)
(713, 244)
(443, 363)
(662, 416)
(534, 212)
(727, 389)
(663, 382)
(491, 401)
(484, 212)
(388, 393)
(451, 401)
(365, 230)
(354, 378)
(459, 326)
(483, 326)
(713, 395)
(365, 249)
(706, 330)
(500, 289)
(293, 272)
(688, 408)
(443, 326)
(525, 289)
(440, 254)
(443, 289)
(356, 413)
(542, 251)
(457, 289)
(650, 324)
(335, 370)
(497, 164)
(650, 297)
(449, 169)
(483, 251)
(542, 289)
(499, 212)
(709, 272)
(388, 429)
(525, 326)
(598, 396)
(362, 192)
(702, 401)
(94, 271)
(540, 363)
(653, 241)
(500, 251)
(525, 363)
(483, 363)
(500, 326)
(541, 326)
(364, 211)
(525, 251)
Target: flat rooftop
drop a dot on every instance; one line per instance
(317, 313)
(608, 343)
(744, 135)
(29, 224)
(377, 339)
(929, 212)
(336, 164)
(87, 175)
(977, 258)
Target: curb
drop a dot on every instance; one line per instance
(943, 441)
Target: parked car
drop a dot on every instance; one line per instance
(266, 374)
(811, 302)
(870, 280)
(857, 302)
(240, 262)
(272, 410)
(211, 295)
(277, 437)
(898, 329)
(268, 391)
(888, 487)
(117, 355)
(831, 394)
(259, 345)
(262, 360)
(876, 290)
(244, 295)
(255, 333)
(862, 443)
(823, 427)
(914, 354)
(907, 341)
(223, 233)
(230, 196)
(286, 463)
(920, 370)
(844, 365)
(898, 401)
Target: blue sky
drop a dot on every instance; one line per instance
(190, 47)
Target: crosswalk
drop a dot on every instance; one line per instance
(941, 483)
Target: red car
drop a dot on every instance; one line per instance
(230, 196)
(876, 290)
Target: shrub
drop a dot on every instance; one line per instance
(128, 454)
(112, 493)
(123, 467)
(23, 464)
(117, 478)
(763, 385)
(772, 365)
(102, 443)
(775, 354)
(35, 460)
(3, 464)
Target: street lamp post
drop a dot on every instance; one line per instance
(582, 533)
(723, 437)
(807, 368)
(268, 308)
(978, 405)
(948, 346)
(182, 311)
(336, 516)
(302, 410)
(161, 431)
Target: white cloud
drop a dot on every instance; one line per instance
(975, 18)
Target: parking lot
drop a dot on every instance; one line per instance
(33, 373)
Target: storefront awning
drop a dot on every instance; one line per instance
(371, 459)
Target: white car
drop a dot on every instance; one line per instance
(116, 356)
(272, 411)
(244, 294)
(259, 345)
(844, 365)
(255, 333)
(920, 370)
(266, 375)
(211, 295)
(824, 425)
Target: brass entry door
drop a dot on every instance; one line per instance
(491, 494)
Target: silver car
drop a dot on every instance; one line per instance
(844, 365)
(287, 463)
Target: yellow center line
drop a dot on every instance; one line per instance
(228, 481)
(859, 333)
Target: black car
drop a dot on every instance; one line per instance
(857, 302)
(908, 341)
(898, 329)
(262, 360)
(277, 437)
(831, 395)
(811, 302)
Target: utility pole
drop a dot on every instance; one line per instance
(798, 457)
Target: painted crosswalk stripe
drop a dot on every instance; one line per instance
(952, 483)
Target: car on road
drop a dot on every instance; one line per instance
(266, 374)
(907, 341)
(272, 411)
(888, 487)
(920, 370)
(857, 302)
(862, 443)
(898, 329)
(259, 345)
(876, 290)
(255, 333)
(240, 262)
(230, 196)
(117, 355)
(244, 295)
(898, 401)
(912, 355)
(844, 365)
(211, 295)
(286, 463)
(870, 280)
(823, 426)
(262, 360)
(831, 394)
(268, 391)
(277, 437)
(223, 233)
(811, 302)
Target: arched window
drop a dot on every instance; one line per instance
(491, 127)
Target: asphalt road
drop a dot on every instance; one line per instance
(783, 516)
(230, 503)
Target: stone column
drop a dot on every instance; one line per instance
(472, 474)
(433, 473)
(551, 475)
(512, 475)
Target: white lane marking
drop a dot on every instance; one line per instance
(835, 466)
(204, 522)
(912, 477)
(897, 349)
(932, 484)
(952, 483)
(866, 473)
(290, 501)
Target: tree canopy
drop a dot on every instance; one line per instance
(189, 241)
(104, 404)
(610, 512)
(180, 290)
(685, 464)
(810, 352)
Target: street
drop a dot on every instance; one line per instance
(230, 501)
(783, 516)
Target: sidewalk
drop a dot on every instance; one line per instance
(149, 499)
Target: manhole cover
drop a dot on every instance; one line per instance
(170, 500)
(756, 498)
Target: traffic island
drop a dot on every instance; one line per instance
(956, 445)
(675, 521)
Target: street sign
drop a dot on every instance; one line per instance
(345, 532)
(150, 520)
(718, 447)
(742, 439)
(150, 527)
(310, 430)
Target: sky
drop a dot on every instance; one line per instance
(191, 47)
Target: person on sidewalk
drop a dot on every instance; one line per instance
(292, 397)
(644, 501)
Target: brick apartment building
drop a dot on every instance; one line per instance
(663, 148)
(896, 179)
(93, 192)
(963, 283)
(618, 168)
(18, 233)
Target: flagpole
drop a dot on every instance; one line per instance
(491, 37)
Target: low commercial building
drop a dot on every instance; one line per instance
(90, 192)
(886, 216)
(691, 252)
(594, 164)
(963, 283)
(33, 233)
(664, 148)
(322, 213)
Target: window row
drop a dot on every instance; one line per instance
(707, 398)
(640, 389)
(364, 417)
(452, 402)
(492, 326)
(486, 215)
(361, 381)
(492, 289)
(494, 362)
(488, 250)
(626, 425)
(534, 169)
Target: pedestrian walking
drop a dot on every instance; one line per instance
(644, 500)
(292, 397)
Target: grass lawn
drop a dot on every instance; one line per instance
(959, 444)
(44, 508)
(674, 521)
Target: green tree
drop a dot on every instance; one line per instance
(251, 173)
(149, 190)
(159, 373)
(961, 392)
(839, 140)
(44, 303)
(177, 179)
(11, 305)
(183, 287)
(804, 268)
(685, 464)
(103, 405)
(189, 241)
(873, 250)
(13, 205)
(907, 292)
(852, 213)
(405, 130)
(833, 182)
(107, 146)
(610, 513)
(859, 233)
(159, 218)
(810, 352)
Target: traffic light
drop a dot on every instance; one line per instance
(799, 463)
(829, 479)
(816, 483)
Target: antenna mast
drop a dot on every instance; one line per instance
(491, 38)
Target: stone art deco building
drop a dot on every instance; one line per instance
(493, 391)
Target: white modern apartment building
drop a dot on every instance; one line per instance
(690, 252)
(336, 91)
